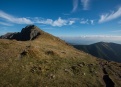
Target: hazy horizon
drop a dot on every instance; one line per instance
(87, 40)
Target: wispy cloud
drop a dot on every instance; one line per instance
(6, 24)
(9, 20)
(83, 21)
(110, 16)
(86, 21)
(85, 4)
(13, 19)
(75, 5)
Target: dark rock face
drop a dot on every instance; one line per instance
(28, 33)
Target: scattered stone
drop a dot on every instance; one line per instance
(52, 76)
(84, 74)
(66, 70)
(81, 64)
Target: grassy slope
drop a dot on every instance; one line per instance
(50, 62)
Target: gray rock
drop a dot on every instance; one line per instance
(28, 33)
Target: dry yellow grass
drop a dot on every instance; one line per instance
(48, 61)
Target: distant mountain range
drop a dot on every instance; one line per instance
(108, 51)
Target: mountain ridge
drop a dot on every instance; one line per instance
(105, 50)
(48, 61)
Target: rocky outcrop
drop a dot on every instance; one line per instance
(28, 33)
(9, 36)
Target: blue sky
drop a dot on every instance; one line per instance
(63, 18)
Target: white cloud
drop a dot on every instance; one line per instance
(36, 20)
(108, 17)
(13, 19)
(85, 4)
(71, 22)
(6, 24)
(59, 22)
(42, 21)
(75, 5)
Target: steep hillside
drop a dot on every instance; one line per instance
(108, 51)
(47, 61)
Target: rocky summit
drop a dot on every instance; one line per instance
(30, 32)
(40, 59)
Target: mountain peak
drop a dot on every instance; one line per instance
(30, 32)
